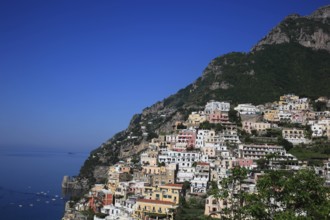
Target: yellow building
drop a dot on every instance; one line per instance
(195, 118)
(167, 192)
(153, 169)
(154, 209)
(160, 202)
(163, 178)
(271, 115)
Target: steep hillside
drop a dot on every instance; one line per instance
(310, 31)
(274, 67)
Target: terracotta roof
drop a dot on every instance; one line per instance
(203, 163)
(174, 185)
(155, 201)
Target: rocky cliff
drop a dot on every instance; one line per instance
(310, 31)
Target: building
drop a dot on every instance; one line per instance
(99, 197)
(213, 206)
(217, 117)
(201, 178)
(183, 159)
(212, 106)
(196, 118)
(187, 136)
(167, 192)
(294, 135)
(255, 152)
(271, 115)
(247, 109)
(149, 158)
(154, 209)
(292, 102)
(249, 126)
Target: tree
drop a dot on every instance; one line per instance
(287, 195)
(286, 144)
(233, 116)
(231, 190)
(181, 126)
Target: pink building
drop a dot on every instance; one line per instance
(187, 136)
(247, 163)
(217, 117)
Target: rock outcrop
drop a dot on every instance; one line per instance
(310, 31)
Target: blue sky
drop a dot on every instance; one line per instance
(72, 73)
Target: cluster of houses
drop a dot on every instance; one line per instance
(184, 163)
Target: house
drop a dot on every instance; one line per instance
(209, 150)
(217, 117)
(255, 152)
(183, 159)
(166, 192)
(196, 118)
(249, 126)
(284, 115)
(185, 174)
(243, 162)
(292, 102)
(212, 106)
(149, 158)
(213, 206)
(201, 178)
(187, 136)
(154, 209)
(294, 135)
(247, 109)
(271, 115)
(321, 128)
(99, 197)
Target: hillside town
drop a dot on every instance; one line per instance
(201, 152)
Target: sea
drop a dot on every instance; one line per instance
(30, 182)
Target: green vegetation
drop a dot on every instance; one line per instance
(260, 77)
(281, 195)
(193, 208)
(314, 153)
(301, 195)
(208, 126)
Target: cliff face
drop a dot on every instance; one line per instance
(287, 60)
(310, 31)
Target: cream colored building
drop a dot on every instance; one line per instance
(149, 158)
(248, 126)
(294, 135)
(271, 115)
(214, 206)
(195, 118)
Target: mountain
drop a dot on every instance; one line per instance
(311, 31)
(293, 58)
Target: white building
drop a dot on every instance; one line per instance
(320, 128)
(183, 159)
(201, 178)
(185, 174)
(112, 212)
(247, 109)
(284, 115)
(255, 152)
(212, 106)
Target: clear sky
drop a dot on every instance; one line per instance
(73, 72)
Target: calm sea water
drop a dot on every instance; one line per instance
(30, 183)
